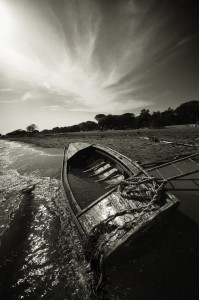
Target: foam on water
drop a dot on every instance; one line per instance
(41, 252)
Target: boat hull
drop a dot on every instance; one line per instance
(120, 218)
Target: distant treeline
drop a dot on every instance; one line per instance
(186, 113)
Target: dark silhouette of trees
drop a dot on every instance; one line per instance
(125, 121)
(168, 117)
(17, 133)
(88, 126)
(188, 112)
(46, 131)
(31, 128)
(74, 128)
(56, 130)
(108, 122)
(144, 119)
(99, 116)
(100, 119)
(156, 120)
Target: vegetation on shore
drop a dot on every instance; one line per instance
(143, 145)
(186, 113)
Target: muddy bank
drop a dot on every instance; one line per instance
(128, 142)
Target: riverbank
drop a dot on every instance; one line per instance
(142, 145)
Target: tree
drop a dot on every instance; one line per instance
(188, 112)
(56, 130)
(99, 116)
(74, 128)
(88, 126)
(17, 133)
(108, 122)
(127, 120)
(156, 121)
(143, 120)
(168, 117)
(31, 128)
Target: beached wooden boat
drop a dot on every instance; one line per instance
(112, 200)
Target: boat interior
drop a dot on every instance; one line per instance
(91, 174)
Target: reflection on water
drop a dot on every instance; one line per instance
(167, 271)
(41, 256)
(171, 269)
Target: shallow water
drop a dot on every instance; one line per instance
(41, 256)
(170, 269)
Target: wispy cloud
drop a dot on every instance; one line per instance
(28, 96)
(75, 69)
(5, 90)
(25, 97)
(187, 39)
(55, 108)
(90, 56)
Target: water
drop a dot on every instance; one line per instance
(170, 270)
(41, 256)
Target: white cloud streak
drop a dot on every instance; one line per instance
(66, 65)
(5, 90)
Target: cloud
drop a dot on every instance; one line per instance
(25, 97)
(67, 62)
(28, 96)
(89, 56)
(10, 101)
(53, 108)
(187, 39)
(5, 90)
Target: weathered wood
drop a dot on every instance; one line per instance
(76, 147)
(173, 161)
(108, 206)
(131, 202)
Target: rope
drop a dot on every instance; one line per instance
(102, 233)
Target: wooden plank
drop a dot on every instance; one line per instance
(63, 181)
(76, 147)
(124, 162)
(110, 205)
(173, 161)
(96, 201)
(182, 175)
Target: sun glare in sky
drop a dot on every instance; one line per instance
(6, 21)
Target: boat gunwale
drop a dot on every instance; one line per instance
(65, 183)
(173, 200)
(104, 151)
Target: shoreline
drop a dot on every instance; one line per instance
(140, 145)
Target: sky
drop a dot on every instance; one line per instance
(64, 61)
